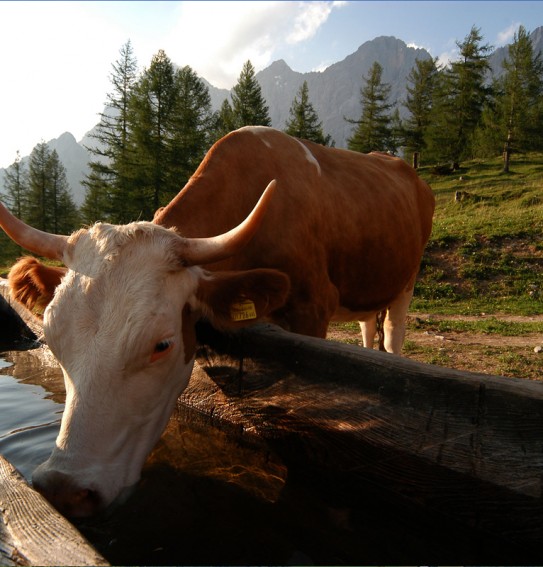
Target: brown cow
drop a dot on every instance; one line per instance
(349, 229)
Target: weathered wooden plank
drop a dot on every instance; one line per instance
(34, 533)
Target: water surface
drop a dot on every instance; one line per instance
(29, 416)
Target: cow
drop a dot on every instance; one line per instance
(336, 235)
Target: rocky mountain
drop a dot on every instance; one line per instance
(334, 93)
(499, 55)
(75, 159)
(73, 156)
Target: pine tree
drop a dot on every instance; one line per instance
(64, 214)
(16, 187)
(521, 108)
(224, 120)
(98, 198)
(373, 131)
(50, 206)
(152, 104)
(171, 128)
(459, 99)
(248, 104)
(191, 129)
(38, 209)
(110, 179)
(304, 121)
(420, 90)
(487, 139)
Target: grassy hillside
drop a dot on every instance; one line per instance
(486, 249)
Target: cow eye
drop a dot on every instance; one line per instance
(161, 348)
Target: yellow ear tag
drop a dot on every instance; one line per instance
(243, 311)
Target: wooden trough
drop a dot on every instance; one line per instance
(464, 450)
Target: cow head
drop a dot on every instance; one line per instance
(121, 324)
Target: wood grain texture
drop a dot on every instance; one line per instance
(32, 532)
(460, 445)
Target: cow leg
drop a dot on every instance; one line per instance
(368, 328)
(395, 321)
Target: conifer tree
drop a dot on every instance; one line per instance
(38, 209)
(191, 129)
(15, 199)
(420, 90)
(110, 179)
(16, 187)
(521, 107)
(152, 104)
(373, 130)
(224, 120)
(50, 206)
(248, 104)
(459, 99)
(304, 121)
(64, 214)
(170, 125)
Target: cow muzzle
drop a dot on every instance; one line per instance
(65, 494)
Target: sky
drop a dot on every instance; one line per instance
(56, 56)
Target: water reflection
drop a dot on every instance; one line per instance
(29, 417)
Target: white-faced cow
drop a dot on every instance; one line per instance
(346, 230)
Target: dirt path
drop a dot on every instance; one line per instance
(490, 353)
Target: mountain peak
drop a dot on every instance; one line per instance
(66, 137)
(279, 65)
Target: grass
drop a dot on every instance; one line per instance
(517, 362)
(485, 253)
(487, 326)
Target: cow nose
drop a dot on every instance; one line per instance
(65, 495)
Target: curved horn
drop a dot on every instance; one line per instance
(216, 248)
(42, 243)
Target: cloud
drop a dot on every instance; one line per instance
(447, 57)
(216, 37)
(308, 20)
(417, 46)
(506, 36)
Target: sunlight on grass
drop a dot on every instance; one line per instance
(486, 249)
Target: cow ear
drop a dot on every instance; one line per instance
(235, 299)
(33, 284)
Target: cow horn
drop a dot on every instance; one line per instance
(42, 243)
(216, 248)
